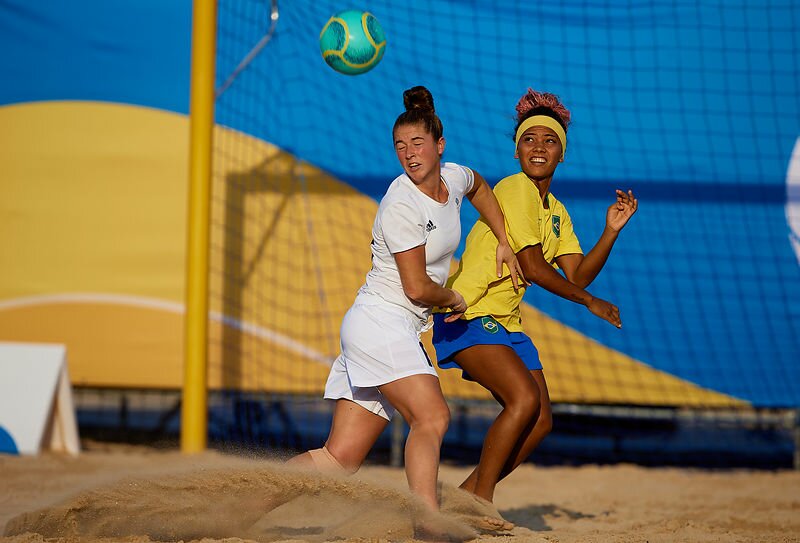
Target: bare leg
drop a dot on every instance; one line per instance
(419, 400)
(533, 434)
(499, 369)
(353, 433)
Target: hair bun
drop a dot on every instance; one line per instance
(418, 98)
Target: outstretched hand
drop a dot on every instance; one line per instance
(622, 210)
(505, 255)
(605, 310)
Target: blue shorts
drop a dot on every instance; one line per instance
(451, 337)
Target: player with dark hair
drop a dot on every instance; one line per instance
(383, 366)
(488, 343)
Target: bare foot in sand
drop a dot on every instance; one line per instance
(435, 527)
(473, 510)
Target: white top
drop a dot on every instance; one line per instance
(408, 218)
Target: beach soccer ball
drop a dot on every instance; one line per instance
(352, 42)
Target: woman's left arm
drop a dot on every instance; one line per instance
(582, 270)
(486, 203)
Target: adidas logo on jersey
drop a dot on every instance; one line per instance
(430, 226)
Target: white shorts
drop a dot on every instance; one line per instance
(380, 344)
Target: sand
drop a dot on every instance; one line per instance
(139, 494)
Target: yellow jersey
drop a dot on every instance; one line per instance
(528, 223)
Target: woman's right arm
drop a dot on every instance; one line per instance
(420, 288)
(537, 270)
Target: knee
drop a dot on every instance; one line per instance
(545, 422)
(524, 405)
(439, 420)
(434, 420)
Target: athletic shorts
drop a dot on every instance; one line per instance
(451, 337)
(379, 344)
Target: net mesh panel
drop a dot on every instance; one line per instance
(694, 105)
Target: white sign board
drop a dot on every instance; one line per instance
(36, 410)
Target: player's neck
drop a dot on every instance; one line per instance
(542, 185)
(434, 187)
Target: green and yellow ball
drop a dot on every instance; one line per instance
(352, 42)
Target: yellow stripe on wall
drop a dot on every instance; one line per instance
(94, 199)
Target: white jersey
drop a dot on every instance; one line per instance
(408, 218)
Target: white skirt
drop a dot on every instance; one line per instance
(379, 344)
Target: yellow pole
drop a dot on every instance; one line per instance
(194, 412)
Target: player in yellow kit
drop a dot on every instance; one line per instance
(488, 343)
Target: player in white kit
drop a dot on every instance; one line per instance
(383, 366)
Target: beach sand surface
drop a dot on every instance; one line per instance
(138, 494)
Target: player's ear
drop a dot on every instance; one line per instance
(440, 145)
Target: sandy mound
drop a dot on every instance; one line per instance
(269, 503)
(150, 494)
